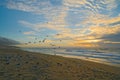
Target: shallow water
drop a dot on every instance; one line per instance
(101, 56)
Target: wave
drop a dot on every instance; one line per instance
(100, 56)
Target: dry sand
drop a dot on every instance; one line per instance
(16, 64)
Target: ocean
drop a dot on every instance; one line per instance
(104, 56)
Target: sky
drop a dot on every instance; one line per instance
(64, 23)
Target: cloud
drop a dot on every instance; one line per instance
(111, 4)
(58, 23)
(22, 5)
(98, 37)
(99, 19)
(115, 38)
(72, 3)
(100, 31)
(30, 37)
(64, 36)
(50, 10)
(29, 33)
(80, 22)
(49, 6)
(88, 7)
(90, 12)
(92, 5)
(44, 7)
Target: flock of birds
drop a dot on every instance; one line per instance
(36, 40)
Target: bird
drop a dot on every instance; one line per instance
(59, 47)
(52, 44)
(20, 31)
(58, 34)
(44, 40)
(29, 42)
(39, 41)
(25, 43)
(60, 40)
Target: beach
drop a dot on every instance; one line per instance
(104, 56)
(22, 65)
(59, 39)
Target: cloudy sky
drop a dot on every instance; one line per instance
(76, 23)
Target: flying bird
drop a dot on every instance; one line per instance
(58, 34)
(29, 42)
(60, 40)
(25, 43)
(52, 44)
(39, 41)
(44, 40)
(20, 31)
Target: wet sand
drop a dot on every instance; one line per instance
(16, 64)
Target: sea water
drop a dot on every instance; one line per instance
(105, 56)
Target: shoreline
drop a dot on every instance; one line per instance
(96, 60)
(100, 61)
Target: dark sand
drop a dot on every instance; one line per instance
(16, 64)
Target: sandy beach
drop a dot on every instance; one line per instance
(16, 64)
